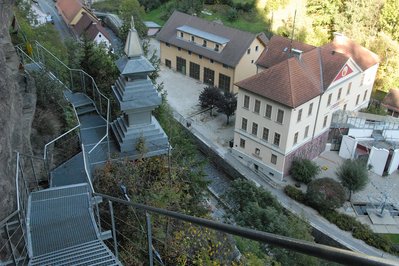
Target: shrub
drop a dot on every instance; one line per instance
(359, 230)
(325, 193)
(295, 193)
(353, 175)
(232, 14)
(304, 170)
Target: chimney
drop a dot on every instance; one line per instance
(297, 53)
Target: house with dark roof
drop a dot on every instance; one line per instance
(72, 10)
(209, 51)
(391, 102)
(90, 27)
(285, 110)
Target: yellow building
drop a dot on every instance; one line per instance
(208, 51)
(285, 110)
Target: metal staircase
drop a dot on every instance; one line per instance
(62, 229)
(61, 225)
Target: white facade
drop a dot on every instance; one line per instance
(101, 39)
(306, 124)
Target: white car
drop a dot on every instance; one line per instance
(49, 19)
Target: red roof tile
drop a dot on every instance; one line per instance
(391, 100)
(69, 9)
(292, 81)
(277, 50)
(362, 56)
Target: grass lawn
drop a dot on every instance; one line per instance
(251, 21)
(155, 15)
(107, 6)
(393, 237)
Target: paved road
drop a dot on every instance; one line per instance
(48, 7)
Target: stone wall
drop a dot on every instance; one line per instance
(17, 107)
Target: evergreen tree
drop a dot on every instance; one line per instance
(353, 175)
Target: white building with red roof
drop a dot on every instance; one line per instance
(285, 110)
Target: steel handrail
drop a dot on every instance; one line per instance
(73, 69)
(302, 246)
(98, 143)
(86, 170)
(57, 138)
(95, 86)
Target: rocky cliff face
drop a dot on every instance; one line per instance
(17, 106)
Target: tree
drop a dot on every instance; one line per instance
(227, 104)
(304, 170)
(210, 97)
(325, 193)
(353, 175)
(256, 208)
(389, 19)
(129, 8)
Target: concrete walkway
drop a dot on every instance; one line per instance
(182, 95)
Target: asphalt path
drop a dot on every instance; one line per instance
(48, 6)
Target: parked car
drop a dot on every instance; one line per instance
(49, 19)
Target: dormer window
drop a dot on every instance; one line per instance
(99, 35)
(181, 34)
(204, 43)
(192, 38)
(217, 47)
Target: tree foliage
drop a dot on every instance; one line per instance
(325, 193)
(353, 175)
(227, 104)
(304, 170)
(127, 10)
(256, 208)
(210, 97)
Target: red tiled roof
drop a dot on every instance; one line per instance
(90, 27)
(292, 81)
(69, 9)
(391, 100)
(94, 29)
(84, 23)
(277, 50)
(362, 56)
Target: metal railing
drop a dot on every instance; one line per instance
(76, 80)
(13, 227)
(302, 246)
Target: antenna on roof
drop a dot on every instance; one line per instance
(292, 33)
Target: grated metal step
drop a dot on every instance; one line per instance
(86, 109)
(90, 253)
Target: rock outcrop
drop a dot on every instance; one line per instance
(17, 107)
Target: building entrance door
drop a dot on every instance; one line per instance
(181, 65)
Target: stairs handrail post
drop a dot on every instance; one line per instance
(111, 210)
(17, 182)
(108, 114)
(149, 238)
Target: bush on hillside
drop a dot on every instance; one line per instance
(325, 193)
(295, 193)
(304, 170)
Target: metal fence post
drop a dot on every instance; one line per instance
(149, 238)
(111, 210)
